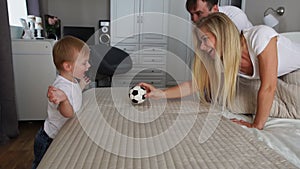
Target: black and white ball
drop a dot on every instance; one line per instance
(137, 94)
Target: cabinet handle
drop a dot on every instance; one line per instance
(141, 19)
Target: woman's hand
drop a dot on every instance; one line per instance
(153, 92)
(247, 124)
(242, 122)
(56, 95)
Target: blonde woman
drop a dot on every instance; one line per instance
(223, 54)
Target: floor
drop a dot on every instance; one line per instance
(18, 152)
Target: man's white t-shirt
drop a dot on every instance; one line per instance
(288, 52)
(55, 120)
(238, 17)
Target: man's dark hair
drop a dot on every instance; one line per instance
(190, 4)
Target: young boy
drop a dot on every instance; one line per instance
(70, 56)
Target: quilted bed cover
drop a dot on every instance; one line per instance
(111, 133)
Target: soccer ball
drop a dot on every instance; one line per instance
(137, 94)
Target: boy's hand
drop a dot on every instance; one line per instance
(56, 95)
(84, 81)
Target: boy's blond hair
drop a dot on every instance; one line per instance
(67, 49)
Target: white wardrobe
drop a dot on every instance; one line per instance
(146, 29)
(139, 28)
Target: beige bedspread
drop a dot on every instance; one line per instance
(286, 103)
(109, 132)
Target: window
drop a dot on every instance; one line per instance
(16, 9)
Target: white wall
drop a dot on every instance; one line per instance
(290, 21)
(80, 12)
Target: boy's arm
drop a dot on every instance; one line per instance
(57, 96)
(66, 109)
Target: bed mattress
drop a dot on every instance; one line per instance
(110, 132)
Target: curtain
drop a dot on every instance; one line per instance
(33, 7)
(8, 112)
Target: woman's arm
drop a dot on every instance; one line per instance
(268, 68)
(181, 90)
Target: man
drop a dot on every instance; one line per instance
(201, 8)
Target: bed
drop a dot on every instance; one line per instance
(110, 132)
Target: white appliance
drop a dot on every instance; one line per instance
(34, 71)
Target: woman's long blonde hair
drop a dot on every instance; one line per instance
(216, 77)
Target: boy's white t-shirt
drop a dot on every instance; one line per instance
(55, 120)
(288, 52)
(238, 17)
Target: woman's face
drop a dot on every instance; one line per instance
(207, 42)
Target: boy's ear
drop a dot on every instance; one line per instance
(67, 66)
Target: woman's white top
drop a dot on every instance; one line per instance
(288, 52)
(238, 17)
(55, 120)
